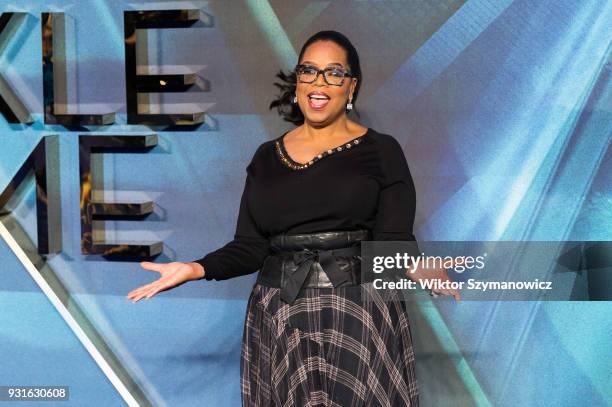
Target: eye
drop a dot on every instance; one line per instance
(337, 73)
(306, 69)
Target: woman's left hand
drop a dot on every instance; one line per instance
(441, 275)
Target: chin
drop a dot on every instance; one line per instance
(319, 120)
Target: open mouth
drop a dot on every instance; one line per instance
(318, 100)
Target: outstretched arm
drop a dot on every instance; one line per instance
(243, 255)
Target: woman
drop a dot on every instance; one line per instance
(314, 333)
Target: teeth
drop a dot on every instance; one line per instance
(319, 97)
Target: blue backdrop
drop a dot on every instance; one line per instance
(504, 111)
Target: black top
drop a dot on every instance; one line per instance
(362, 184)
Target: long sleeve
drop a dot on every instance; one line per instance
(243, 255)
(397, 198)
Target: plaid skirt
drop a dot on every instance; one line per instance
(346, 346)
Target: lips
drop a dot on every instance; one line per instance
(318, 100)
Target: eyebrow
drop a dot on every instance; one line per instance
(330, 64)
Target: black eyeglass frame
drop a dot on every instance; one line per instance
(346, 74)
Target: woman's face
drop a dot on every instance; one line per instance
(321, 103)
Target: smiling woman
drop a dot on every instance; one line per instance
(343, 74)
(314, 333)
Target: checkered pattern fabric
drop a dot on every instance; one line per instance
(343, 347)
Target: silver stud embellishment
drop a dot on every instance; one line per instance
(288, 162)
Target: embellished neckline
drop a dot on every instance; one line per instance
(294, 165)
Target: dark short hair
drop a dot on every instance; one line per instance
(284, 102)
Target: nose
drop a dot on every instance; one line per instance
(320, 80)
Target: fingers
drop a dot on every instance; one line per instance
(143, 292)
(140, 289)
(153, 291)
(171, 275)
(137, 294)
(452, 292)
(149, 290)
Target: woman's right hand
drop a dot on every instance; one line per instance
(172, 275)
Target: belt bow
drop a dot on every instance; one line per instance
(304, 259)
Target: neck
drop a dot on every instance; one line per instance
(326, 132)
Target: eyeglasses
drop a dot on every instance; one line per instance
(333, 76)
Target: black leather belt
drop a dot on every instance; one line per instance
(313, 260)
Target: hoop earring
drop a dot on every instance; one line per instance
(295, 99)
